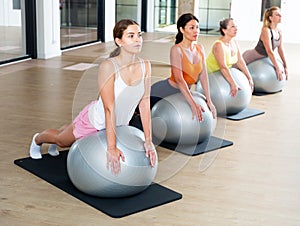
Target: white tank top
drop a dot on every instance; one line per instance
(127, 99)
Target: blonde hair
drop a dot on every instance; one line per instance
(269, 12)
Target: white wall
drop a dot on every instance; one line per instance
(289, 21)
(247, 16)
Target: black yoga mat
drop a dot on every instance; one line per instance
(210, 144)
(246, 113)
(264, 94)
(54, 171)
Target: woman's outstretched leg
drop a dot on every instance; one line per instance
(63, 137)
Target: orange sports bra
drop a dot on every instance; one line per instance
(190, 71)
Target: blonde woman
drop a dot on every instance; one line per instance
(270, 39)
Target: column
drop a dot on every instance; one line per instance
(187, 6)
(110, 12)
(48, 29)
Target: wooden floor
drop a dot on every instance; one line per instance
(254, 182)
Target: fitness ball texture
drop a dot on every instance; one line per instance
(172, 120)
(264, 76)
(220, 92)
(86, 164)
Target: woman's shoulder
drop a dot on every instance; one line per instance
(218, 44)
(146, 62)
(175, 49)
(141, 59)
(107, 66)
(265, 30)
(108, 62)
(265, 33)
(218, 41)
(200, 46)
(146, 65)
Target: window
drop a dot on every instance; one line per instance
(265, 4)
(16, 4)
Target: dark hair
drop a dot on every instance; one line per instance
(181, 22)
(223, 25)
(118, 32)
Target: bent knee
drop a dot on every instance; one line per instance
(64, 143)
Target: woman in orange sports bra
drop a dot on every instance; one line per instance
(188, 65)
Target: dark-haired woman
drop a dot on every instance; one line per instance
(187, 60)
(269, 40)
(225, 53)
(120, 90)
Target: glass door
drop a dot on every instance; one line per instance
(165, 15)
(210, 13)
(13, 17)
(79, 22)
(128, 9)
(265, 4)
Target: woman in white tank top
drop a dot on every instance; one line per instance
(124, 84)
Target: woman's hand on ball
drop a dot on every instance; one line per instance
(279, 73)
(251, 84)
(234, 88)
(286, 72)
(212, 108)
(197, 110)
(113, 156)
(150, 152)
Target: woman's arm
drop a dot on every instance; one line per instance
(176, 68)
(242, 66)
(145, 113)
(106, 78)
(282, 56)
(203, 78)
(219, 54)
(266, 39)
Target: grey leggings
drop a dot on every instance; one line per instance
(252, 55)
(161, 90)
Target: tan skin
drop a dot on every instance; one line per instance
(131, 43)
(265, 37)
(219, 53)
(190, 34)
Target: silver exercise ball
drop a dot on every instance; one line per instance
(86, 164)
(172, 120)
(264, 76)
(220, 92)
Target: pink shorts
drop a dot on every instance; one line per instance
(82, 124)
